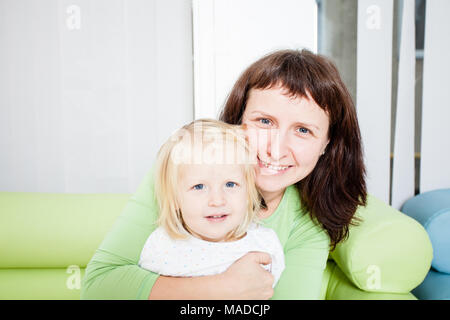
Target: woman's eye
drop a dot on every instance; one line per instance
(303, 130)
(264, 121)
(199, 186)
(230, 184)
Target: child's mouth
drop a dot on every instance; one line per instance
(216, 217)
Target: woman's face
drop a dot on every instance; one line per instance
(287, 134)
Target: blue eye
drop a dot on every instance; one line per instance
(231, 184)
(199, 186)
(303, 130)
(264, 121)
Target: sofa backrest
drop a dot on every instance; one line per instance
(44, 230)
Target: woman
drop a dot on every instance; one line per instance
(301, 121)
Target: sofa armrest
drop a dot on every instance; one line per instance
(387, 252)
(432, 210)
(340, 288)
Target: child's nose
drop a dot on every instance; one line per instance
(216, 198)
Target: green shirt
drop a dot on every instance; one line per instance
(113, 272)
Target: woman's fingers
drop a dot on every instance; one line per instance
(248, 278)
(264, 258)
(261, 257)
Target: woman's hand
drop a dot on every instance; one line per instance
(247, 279)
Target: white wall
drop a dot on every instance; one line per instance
(89, 90)
(231, 34)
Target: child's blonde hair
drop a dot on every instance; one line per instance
(180, 149)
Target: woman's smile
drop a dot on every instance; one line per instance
(271, 169)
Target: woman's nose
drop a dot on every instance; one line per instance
(216, 198)
(276, 145)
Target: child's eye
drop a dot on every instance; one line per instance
(199, 186)
(231, 184)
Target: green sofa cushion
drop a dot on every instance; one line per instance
(54, 231)
(340, 288)
(43, 230)
(387, 252)
(40, 284)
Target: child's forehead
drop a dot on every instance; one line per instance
(211, 152)
(211, 171)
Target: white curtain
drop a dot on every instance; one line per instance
(373, 97)
(435, 160)
(403, 162)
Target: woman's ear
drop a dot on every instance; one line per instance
(325, 147)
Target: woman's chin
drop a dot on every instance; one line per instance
(275, 183)
(267, 184)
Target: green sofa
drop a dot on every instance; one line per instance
(46, 241)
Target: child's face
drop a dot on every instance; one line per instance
(213, 199)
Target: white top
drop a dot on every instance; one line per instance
(195, 257)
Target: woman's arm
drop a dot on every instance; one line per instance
(306, 254)
(113, 272)
(245, 279)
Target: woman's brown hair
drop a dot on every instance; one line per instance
(335, 188)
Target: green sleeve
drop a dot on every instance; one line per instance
(113, 272)
(306, 253)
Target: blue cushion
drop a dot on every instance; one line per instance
(432, 210)
(436, 286)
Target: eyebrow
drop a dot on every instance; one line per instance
(297, 123)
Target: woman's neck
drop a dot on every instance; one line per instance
(272, 200)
